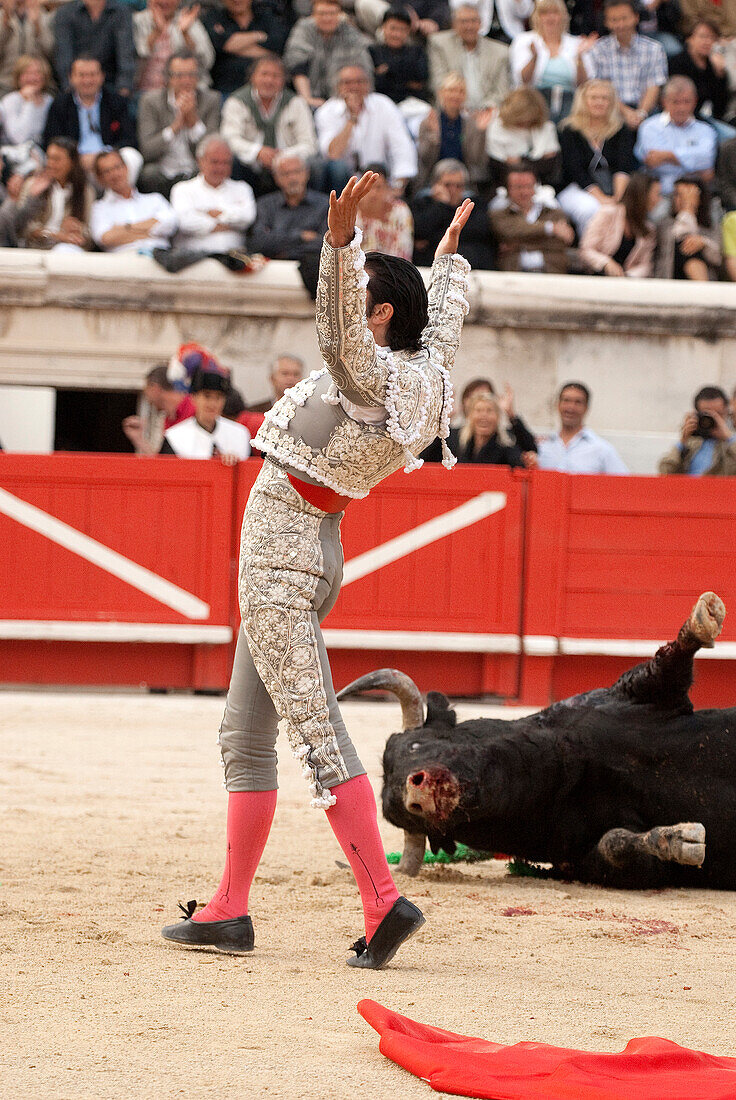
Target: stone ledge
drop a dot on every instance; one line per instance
(498, 299)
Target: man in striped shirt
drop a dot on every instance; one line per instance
(636, 66)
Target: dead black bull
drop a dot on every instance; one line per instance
(625, 786)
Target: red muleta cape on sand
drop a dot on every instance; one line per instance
(649, 1069)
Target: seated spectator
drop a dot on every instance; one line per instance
(286, 371)
(291, 222)
(23, 115)
(501, 20)
(162, 30)
(102, 29)
(53, 210)
(674, 142)
(171, 123)
(427, 16)
(208, 434)
(265, 118)
(319, 47)
(162, 396)
(721, 14)
(213, 211)
(481, 438)
(687, 246)
(385, 221)
(620, 239)
(597, 153)
(25, 28)
(433, 211)
(707, 446)
(482, 63)
(706, 69)
(729, 245)
(358, 127)
(532, 232)
(635, 65)
(88, 114)
(575, 449)
(660, 20)
(240, 34)
(546, 57)
(400, 67)
(124, 220)
(522, 131)
(450, 132)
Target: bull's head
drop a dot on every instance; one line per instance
(420, 790)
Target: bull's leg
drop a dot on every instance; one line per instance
(665, 680)
(683, 843)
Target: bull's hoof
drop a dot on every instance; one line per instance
(683, 843)
(706, 619)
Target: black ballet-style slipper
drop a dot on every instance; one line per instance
(233, 937)
(402, 921)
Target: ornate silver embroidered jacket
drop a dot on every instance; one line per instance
(310, 431)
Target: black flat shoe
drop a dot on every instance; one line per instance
(234, 937)
(402, 921)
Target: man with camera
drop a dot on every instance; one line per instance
(707, 441)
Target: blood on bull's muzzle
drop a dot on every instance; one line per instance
(431, 793)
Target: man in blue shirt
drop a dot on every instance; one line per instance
(575, 449)
(674, 143)
(707, 442)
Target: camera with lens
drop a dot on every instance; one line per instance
(706, 424)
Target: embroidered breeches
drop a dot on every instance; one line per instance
(290, 574)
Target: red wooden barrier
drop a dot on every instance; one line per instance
(116, 570)
(613, 565)
(121, 570)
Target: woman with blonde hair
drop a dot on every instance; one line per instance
(482, 438)
(23, 115)
(546, 57)
(597, 153)
(522, 132)
(450, 132)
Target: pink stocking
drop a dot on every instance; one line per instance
(354, 823)
(249, 817)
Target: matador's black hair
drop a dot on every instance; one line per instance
(393, 280)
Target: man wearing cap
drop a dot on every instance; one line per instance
(383, 395)
(207, 433)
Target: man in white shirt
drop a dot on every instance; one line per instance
(575, 449)
(123, 220)
(213, 210)
(207, 434)
(359, 127)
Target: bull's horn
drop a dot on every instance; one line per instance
(413, 854)
(402, 686)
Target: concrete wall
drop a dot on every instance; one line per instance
(643, 348)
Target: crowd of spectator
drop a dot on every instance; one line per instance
(195, 411)
(593, 137)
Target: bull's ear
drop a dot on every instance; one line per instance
(438, 710)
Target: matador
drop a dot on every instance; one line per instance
(383, 395)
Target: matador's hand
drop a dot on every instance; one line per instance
(343, 211)
(448, 244)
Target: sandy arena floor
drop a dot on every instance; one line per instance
(113, 810)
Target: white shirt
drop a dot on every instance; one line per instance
(379, 136)
(586, 453)
(59, 196)
(191, 200)
(112, 210)
(189, 439)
